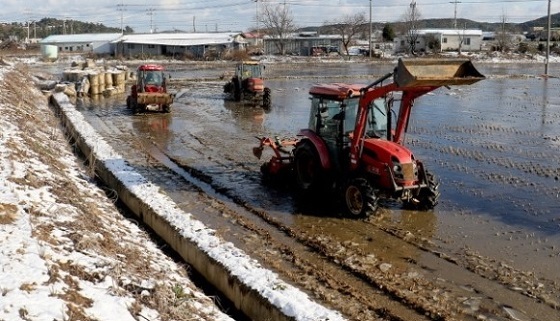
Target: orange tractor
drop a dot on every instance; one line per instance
(248, 84)
(351, 146)
(149, 93)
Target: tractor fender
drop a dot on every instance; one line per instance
(319, 145)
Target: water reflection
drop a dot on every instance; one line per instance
(247, 115)
(154, 126)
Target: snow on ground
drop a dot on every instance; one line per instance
(67, 253)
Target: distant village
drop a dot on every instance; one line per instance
(218, 45)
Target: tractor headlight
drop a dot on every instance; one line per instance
(397, 170)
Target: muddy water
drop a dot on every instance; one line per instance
(494, 145)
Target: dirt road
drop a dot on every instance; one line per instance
(489, 251)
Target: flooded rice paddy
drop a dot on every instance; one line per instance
(495, 146)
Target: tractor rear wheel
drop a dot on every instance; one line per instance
(360, 198)
(266, 98)
(308, 168)
(237, 90)
(427, 197)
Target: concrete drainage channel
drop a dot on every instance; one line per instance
(258, 293)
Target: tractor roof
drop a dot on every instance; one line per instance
(337, 90)
(150, 67)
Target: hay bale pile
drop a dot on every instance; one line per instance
(91, 80)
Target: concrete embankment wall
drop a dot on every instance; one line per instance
(258, 292)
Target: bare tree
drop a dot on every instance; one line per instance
(461, 34)
(410, 21)
(348, 27)
(503, 36)
(279, 22)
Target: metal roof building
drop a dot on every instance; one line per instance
(99, 43)
(194, 44)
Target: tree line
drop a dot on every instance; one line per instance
(51, 26)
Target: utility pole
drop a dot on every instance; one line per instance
(455, 15)
(151, 14)
(120, 7)
(370, 31)
(257, 15)
(547, 41)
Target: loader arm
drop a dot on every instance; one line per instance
(407, 102)
(413, 78)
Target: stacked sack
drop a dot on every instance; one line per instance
(91, 80)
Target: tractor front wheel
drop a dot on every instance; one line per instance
(428, 197)
(360, 198)
(308, 168)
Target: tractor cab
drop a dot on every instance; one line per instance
(334, 108)
(249, 69)
(150, 78)
(332, 117)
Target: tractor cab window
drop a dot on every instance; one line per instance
(325, 118)
(153, 77)
(250, 71)
(377, 119)
(351, 112)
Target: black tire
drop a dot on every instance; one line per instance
(308, 168)
(266, 98)
(166, 108)
(139, 108)
(266, 175)
(228, 88)
(237, 90)
(359, 198)
(428, 197)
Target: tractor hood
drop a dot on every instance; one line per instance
(379, 154)
(385, 151)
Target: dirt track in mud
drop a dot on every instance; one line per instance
(489, 251)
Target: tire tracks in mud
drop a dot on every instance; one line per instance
(410, 289)
(311, 272)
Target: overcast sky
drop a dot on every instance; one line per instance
(240, 15)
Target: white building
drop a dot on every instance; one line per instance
(98, 43)
(449, 40)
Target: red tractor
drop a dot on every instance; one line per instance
(150, 91)
(351, 145)
(248, 84)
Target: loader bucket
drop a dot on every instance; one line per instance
(435, 73)
(155, 98)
